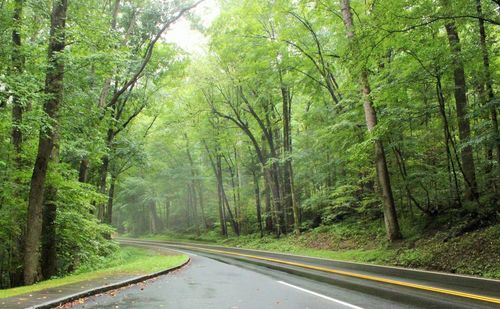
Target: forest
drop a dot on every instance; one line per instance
(378, 116)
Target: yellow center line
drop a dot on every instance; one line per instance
(355, 275)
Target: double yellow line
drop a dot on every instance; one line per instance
(354, 275)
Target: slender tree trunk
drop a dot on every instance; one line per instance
(213, 160)
(111, 195)
(225, 201)
(167, 214)
(257, 202)
(54, 89)
(18, 61)
(194, 202)
(234, 192)
(466, 153)
(154, 219)
(222, 218)
(390, 216)
(488, 79)
(201, 203)
(287, 152)
(238, 186)
(448, 140)
(486, 98)
(83, 172)
(195, 183)
(103, 173)
(268, 209)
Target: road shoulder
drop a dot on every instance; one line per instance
(56, 296)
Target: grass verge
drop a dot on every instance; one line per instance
(475, 253)
(127, 260)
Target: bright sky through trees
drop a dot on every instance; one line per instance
(188, 37)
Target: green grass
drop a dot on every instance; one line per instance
(288, 244)
(127, 260)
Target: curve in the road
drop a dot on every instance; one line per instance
(429, 288)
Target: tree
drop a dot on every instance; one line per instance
(54, 87)
(390, 216)
(464, 130)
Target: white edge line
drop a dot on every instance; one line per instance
(320, 295)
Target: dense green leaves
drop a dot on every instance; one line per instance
(263, 133)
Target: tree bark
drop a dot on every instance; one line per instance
(257, 202)
(268, 211)
(390, 216)
(18, 62)
(83, 172)
(488, 81)
(103, 173)
(195, 183)
(49, 241)
(466, 153)
(54, 86)
(108, 219)
(167, 214)
(222, 218)
(225, 201)
(287, 152)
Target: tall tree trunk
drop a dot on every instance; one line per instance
(54, 87)
(213, 161)
(289, 197)
(108, 219)
(448, 140)
(199, 189)
(155, 223)
(194, 201)
(488, 80)
(103, 172)
(257, 202)
(225, 201)
(195, 183)
(466, 153)
(268, 210)
(390, 216)
(487, 97)
(234, 192)
(49, 240)
(222, 218)
(167, 214)
(238, 186)
(270, 213)
(18, 61)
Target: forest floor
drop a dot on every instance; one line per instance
(475, 253)
(126, 262)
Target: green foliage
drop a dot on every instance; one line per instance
(187, 143)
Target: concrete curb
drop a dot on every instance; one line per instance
(102, 289)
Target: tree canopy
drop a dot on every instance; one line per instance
(299, 114)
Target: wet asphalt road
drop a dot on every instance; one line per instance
(216, 280)
(206, 283)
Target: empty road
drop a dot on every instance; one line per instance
(219, 277)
